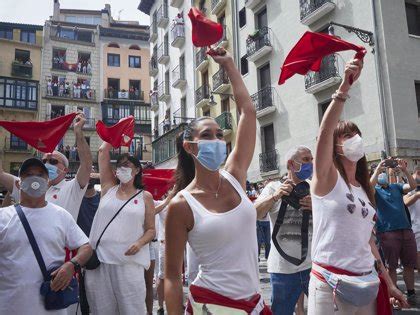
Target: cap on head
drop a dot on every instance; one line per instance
(62, 157)
(32, 162)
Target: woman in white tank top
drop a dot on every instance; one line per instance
(212, 212)
(117, 286)
(343, 211)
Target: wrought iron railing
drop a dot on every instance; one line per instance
(15, 144)
(163, 88)
(179, 117)
(154, 100)
(264, 98)
(224, 37)
(21, 70)
(65, 91)
(309, 6)
(153, 28)
(258, 40)
(200, 56)
(269, 161)
(72, 34)
(203, 92)
(164, 147)
(214, 3)
(163, 51)
(162, 13)
(219, 78)
(329, 69)
(153, 64)
(124, 95)
(177, 30)
(225, 121)
(178, 73)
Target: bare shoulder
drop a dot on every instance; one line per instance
(179, 211)
(147, 197)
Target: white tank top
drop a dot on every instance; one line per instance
(342, 227)
(225, 246)
(124, 231)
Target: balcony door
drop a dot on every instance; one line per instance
(261, 19)
(264, 84)
(267, 136)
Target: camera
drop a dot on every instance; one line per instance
(391, 163)
(299, 191)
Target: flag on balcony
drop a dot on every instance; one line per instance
(42, 135)
(205, 32)
(307, 54)
(158, 181)
(119, 134)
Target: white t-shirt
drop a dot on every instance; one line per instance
(66, 194)
(20, 275)
(415, 214)
(290, 232)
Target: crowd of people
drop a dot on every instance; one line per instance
(332, 230)
(63, 88)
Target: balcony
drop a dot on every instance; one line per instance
(153, 32)
(221, 81)
(217, 6)
(80, 93)
(201, 59)
(163, 53)
(313, 10)
(154, 101)
(111, 114)
(223, 42)
(162, 16)
(72, 35)
(252, 4)
(202, 96)
(16, 145)
(164, 147)
(153, 66)
(264, 101)
(258, 44)
(178, 77)
(163, 91)
(178, 35)
(327, 76)
(225, 122)
(113, 94)
(21, 70)
(72, 67)
(269, 163)
(176, 3)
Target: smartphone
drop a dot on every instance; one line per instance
(391, 163)
(418, 188)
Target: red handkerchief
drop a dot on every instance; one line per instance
(205, 32)
(119, 134)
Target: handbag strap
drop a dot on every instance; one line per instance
(99, 239)
(32, 241)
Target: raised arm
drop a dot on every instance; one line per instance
(6, 179)
(411, 199)
(239, 160)
(106, 174)
(379, 169)
(83, 149)
(325, 173)
(402, 165)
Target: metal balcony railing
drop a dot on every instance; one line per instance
(200, 56)
(162, 13)
(309, 6)
(164, 147)
(257, 41)
(203, 92)
(154, 100)
(263, 98)
(269, 161)
(329, 69)
(219, 78)
(153, 65)
(153, 29)
(225, 121)
(177, 31)
(16, 144)
(72, 34)
(163, 51)
(21, 70)
(178, 73)
(124, 95)
(163, 89)
(224, 37)
(64, 91)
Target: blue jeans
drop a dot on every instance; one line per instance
(286, 289)
(264, 236)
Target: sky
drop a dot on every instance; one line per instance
(37, 11)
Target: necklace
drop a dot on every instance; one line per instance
(216, 194)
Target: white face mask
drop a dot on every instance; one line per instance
(124, 174)
(353, 148)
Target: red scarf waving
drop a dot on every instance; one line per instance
(43, 136)
(120, 134)
(308, 52)
(205, 32)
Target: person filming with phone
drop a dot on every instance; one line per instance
(393, 226)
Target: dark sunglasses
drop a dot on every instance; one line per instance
(51, 161)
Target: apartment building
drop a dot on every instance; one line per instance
(172, 76)
(20, 73)
(385, 102)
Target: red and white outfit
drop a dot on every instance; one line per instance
(225, 245)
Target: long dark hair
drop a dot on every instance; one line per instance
(138, 183)
(362, 170)
(185, 169)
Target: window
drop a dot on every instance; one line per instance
(183, 107)
(134, 62)
(261, 19)
(113, 45)
(18, 93)
(6, 33)
(264, 77)
(206, 113)
(322, 108)
(134, 89)
(267, 134)
(27, 37)
(59, 57)
(412, 11)
(242, 17)
(244, 65)
(22, 55)
(134, 47)
(57, 111)
(417, 86)
(113, 60)
(225, 105)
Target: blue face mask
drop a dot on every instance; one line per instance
(211, 153)
(306, 170)
(52, 171)
(383, 179)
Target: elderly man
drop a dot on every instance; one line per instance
(53, 229)
(290, 268)
(66, 194)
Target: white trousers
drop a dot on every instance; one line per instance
(161, 265)
(116, 289)
(321, 301)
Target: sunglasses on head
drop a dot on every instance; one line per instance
(51, 161)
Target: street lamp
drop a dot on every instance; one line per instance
(213, 102)
(365, 36)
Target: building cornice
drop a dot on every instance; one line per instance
(26, 27)
(118, 33)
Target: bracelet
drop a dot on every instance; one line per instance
(341, 96)
(274, 198)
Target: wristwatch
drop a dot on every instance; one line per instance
(76, 265)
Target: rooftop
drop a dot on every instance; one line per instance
(22, 26)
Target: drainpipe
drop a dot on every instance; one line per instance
(235, 32)
(379, 78)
